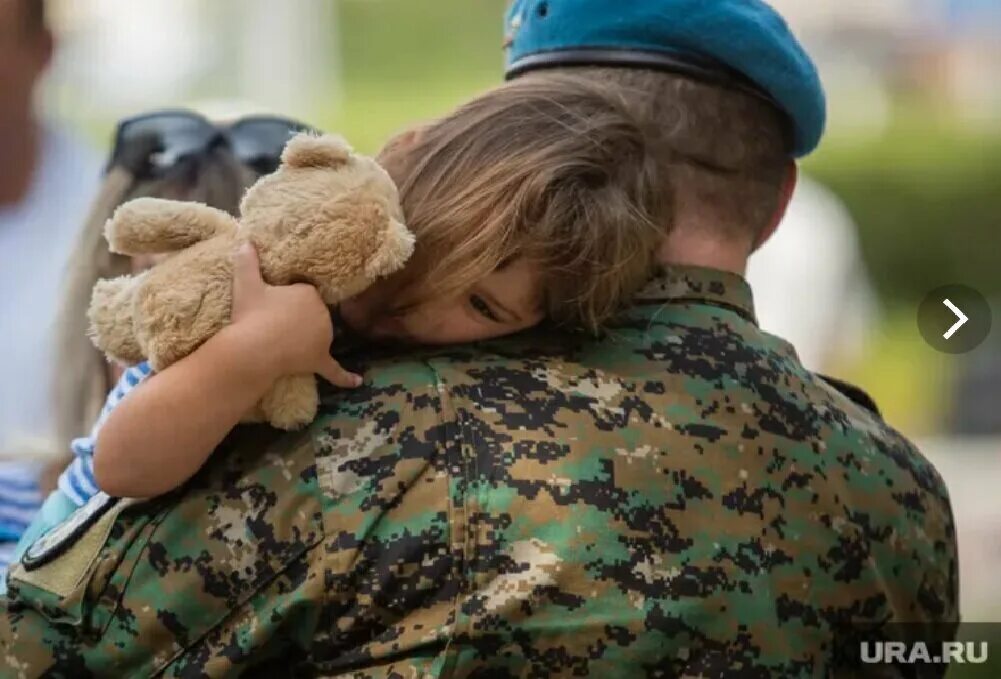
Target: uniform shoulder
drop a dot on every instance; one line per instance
(862, 426)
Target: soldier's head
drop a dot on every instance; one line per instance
(727, 95)
(26, 46)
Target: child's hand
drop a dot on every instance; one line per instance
(285, 330)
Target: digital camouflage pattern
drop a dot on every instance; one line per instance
(679, 498)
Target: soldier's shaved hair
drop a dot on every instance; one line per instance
(725, 153)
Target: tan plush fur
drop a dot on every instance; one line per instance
(328, 217)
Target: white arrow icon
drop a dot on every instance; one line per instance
(958, 324)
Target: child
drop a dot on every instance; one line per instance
(537, 199)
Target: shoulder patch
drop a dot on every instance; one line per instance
(854, 394)
(60, 538)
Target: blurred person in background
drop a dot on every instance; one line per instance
(176, 155)
(47, 179)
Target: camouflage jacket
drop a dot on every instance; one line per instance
(678, 498)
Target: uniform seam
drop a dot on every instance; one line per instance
(244, 601)
(468, 544)
(326, 558)
(474, 498)
(233, 612)
(456, 512)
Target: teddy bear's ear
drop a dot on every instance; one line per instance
(308, 150)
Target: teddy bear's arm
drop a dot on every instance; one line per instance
(154, 225)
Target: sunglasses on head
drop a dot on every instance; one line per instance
(163, 138)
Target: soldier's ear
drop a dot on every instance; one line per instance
(785, 196)
(309, 150)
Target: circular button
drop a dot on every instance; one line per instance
(954, 319)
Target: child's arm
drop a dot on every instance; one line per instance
(166, 428)
(77, 479)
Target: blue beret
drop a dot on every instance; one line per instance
(744, 43)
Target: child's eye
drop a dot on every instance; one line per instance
(483, 308)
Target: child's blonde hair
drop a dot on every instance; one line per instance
(82, 382)
(550, 169)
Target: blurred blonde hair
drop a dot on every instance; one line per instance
(82, 377)
(550, 169)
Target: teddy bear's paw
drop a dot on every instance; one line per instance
(111, 325)
(156, 225)
(291, 403)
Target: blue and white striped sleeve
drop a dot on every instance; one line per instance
(77, 482)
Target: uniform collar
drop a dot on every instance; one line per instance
(681, 284)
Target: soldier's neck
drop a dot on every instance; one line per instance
(695, 247)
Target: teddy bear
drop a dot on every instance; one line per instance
(327, 216)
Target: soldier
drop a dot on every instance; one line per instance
(677, 497)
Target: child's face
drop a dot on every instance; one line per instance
(504, 302)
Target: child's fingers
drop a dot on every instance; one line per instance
(338, 376)
(246, 271)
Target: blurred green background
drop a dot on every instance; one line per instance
(404, 61)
